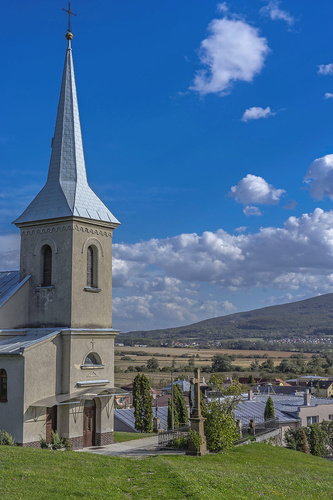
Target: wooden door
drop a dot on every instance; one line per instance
(51, 422)
(89, 420)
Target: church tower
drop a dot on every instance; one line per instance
(66, 232)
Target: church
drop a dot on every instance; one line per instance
(56, 335)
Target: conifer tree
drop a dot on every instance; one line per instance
(269, 409)
(143, 411)
(305, 444)
(180, 404)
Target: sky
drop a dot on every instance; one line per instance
(207, 130)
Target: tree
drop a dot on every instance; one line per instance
(221, 363)
(305, 444)
(152, 365)
(143, 411)
(269, 409)
(180, 404)
(317, 439)
(251, 380)
(220, 426)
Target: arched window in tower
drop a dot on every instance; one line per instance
(47, 265)
(3, 386)
(92, 267)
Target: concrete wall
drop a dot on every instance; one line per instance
(14, 312)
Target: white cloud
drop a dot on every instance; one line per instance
(254, 189)
(325, 69)
(250, 210)
(328, 95)
(256, 112)
(222, 7)
(273, 11)
(233, 51)
(9, 252)
(320, 177)
(190, 277)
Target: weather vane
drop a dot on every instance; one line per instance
(70, 13)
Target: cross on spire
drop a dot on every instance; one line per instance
(70, 13)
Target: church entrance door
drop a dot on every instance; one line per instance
(89, 421)
(51, 422)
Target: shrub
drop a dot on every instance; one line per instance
(195, 439)
(6, 439)
(56, 441)
(43, 443)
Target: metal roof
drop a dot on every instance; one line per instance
(252, 409)
(8, 284)
(15, 344)
(67, 192)
(78, 397)
(126, 415)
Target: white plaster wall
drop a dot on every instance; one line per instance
(11, 412)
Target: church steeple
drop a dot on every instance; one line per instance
(67, 192)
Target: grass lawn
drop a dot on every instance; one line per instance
(255, 471)
(120, 437)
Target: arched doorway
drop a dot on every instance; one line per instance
(89, 423)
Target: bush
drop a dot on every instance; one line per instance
(56, 441)
(6, 439)
(195, 439)
(43, 443)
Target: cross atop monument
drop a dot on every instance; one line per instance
(70, 13)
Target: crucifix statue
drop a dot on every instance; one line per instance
(197, 421)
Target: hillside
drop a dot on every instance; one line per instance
(248, 472)
(311, 317)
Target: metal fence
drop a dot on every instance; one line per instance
(249, 424)
(167, 438)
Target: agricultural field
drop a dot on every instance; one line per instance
(126, 356)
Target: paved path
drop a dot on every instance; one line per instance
(135, 448)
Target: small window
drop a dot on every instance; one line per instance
(330, 417)
(92, 359)
(312, 420)
(3, 386)
(47, 265)
(91, 267)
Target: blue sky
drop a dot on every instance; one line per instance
(207, 129)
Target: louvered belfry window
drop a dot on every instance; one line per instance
(47, 265)
(90, 267)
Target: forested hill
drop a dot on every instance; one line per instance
(311, 317)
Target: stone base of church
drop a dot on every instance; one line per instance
(103, 438)
(32, 444)
(76, 442)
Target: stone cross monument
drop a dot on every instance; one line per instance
(197, 420)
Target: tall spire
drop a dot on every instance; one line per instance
(67, 192)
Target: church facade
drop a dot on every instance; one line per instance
(56, 335)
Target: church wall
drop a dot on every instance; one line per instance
(48, 306)
(77, 345)
(14, 312)
(11, 412)
(43, 363)
(92, 307)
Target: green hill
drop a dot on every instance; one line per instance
(253, 472)
(311, 317)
